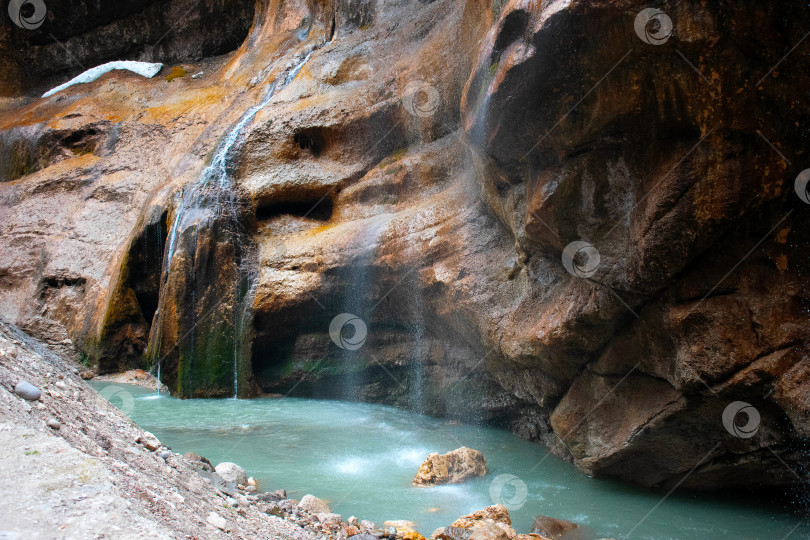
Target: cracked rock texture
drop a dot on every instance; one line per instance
(424, 172)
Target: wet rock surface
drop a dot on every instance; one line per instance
(551, 527)
(451, 468)
(426, 172)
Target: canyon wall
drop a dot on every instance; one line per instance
(575, 218)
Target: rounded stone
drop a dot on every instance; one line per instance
(314, 505)
(27, 391)
(231, 472)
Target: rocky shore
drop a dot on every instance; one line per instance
(87, 471)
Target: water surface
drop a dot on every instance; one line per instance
(361, 458)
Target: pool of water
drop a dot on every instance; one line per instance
(361, 458)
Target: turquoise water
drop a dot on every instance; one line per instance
(361, 458)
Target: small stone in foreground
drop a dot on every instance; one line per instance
(218, 521)
(53, 423)
(149, 441)
(27, 391)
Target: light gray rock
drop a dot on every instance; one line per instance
(231, 472)
(218, 521)
(329, 517)
(27, 391)
(314, 505)
(53, 423)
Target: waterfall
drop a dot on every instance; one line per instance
(416, 329)
(207, 283)
(358, 298)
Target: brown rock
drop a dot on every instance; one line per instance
(552, 528)
(496, 513)
(451, 468)
(149, 441)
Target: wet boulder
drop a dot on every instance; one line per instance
(552, 528)
(451, 468)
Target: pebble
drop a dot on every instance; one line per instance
(164, 454)
(230, 501)
(27, 391)
(218, 521)
(329, 517)
(352, 521)
(53, 423)
(149, 441)
(392, 531)
(61, 385)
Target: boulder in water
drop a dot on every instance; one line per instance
(451, 468)
(231, 472)
(552, 528)
(27, 391)
(314, 505)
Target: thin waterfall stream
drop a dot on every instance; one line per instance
(207, 234)
(357, 300)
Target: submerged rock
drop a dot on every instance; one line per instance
(231, 472)
(314, 505)
(451, 468)
(27, 391)
(551, 527)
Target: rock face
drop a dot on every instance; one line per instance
(560, 216)
(451, 468)
(79, 33)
